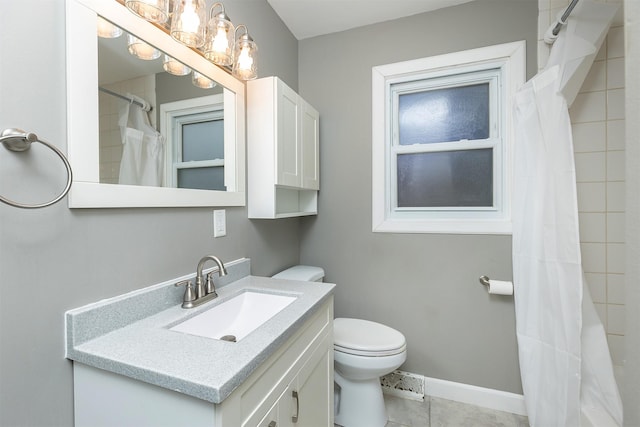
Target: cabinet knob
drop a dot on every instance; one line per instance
(273, 424)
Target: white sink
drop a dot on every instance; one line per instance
(235, 318)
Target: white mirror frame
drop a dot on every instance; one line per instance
(82, 115)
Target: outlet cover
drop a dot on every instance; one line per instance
(219, 223)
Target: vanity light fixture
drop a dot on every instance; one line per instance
(107, 30)
(141, 49)
(188, 23)
(220, 33)
(245, 50)
(175, 67)
(202, 81)
(217, 40)
(156, 11)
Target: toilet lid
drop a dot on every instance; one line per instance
(305, 273)
(366, 338)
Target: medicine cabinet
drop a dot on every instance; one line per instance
(283, 151)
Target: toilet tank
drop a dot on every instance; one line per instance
(306, 273)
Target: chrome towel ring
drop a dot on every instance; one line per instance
(18, 140)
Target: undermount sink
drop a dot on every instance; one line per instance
(235, 318)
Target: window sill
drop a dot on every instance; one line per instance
(443, 226)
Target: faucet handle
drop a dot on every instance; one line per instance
(189, 292)
(211, 287)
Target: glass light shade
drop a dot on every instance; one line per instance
(107, 30)
(245, 59)
(220, 33)
(172, 66)
(141, 50)
(152, 10)
(202, 81)
(188, 23)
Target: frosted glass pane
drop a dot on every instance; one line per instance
(203, 141)
(210, 178)
(444, 115)
(446, 179)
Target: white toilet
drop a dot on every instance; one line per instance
(363, 352)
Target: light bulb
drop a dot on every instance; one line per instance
(244, 56)
(245, 61)
(152, 10)
(141, 49)
(202, 81)
(221, 41)
(188, 22)
(107, 30)
(220, 30)
(175, 67)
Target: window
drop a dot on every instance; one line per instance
(195, 143)
(198, 158)
(442, 141)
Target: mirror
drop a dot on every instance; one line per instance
(182, 133)
(221, 107)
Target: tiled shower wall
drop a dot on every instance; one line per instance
(110, 140)
(597, 117)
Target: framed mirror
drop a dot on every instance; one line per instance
(222, 107)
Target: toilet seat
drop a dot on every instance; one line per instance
(365, 338)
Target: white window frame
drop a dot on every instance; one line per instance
(503, 66)
(173, 115)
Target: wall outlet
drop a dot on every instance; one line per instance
(219, 223)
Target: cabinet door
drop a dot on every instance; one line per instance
(288, 144)
(280, 413)
(310, 141)
(314, 385)
(271, 419)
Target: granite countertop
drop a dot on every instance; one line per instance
(106, 335)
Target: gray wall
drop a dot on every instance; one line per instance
(170, 88)
(55, 259)
(425, 285)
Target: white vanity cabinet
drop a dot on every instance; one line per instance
(283, 151)
(301, 403)
(303, 364)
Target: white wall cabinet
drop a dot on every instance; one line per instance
(304, 365)
(283, 151)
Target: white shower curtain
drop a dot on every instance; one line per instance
(143, 147)
(565, 365)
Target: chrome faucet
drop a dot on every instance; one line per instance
(202, 293)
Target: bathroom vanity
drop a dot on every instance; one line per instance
(131, 369)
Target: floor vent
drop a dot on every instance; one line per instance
(403, 384)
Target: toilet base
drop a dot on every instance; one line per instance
(359, 403)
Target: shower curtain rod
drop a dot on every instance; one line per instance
(564, 17)
(144, 106)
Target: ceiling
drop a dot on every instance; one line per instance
(310, 18)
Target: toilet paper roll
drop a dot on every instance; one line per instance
(500, 287)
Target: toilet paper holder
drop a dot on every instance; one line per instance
(496, 287)
(484, 280)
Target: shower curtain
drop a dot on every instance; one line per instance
(565, 365)
(143, 147)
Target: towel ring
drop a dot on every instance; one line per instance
(18, 140)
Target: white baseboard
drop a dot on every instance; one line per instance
(479, 396)
(416, 387)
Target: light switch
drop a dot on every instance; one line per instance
(219, 223)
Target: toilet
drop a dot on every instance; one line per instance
(363, 352)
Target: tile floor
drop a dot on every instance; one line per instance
(435, 412)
